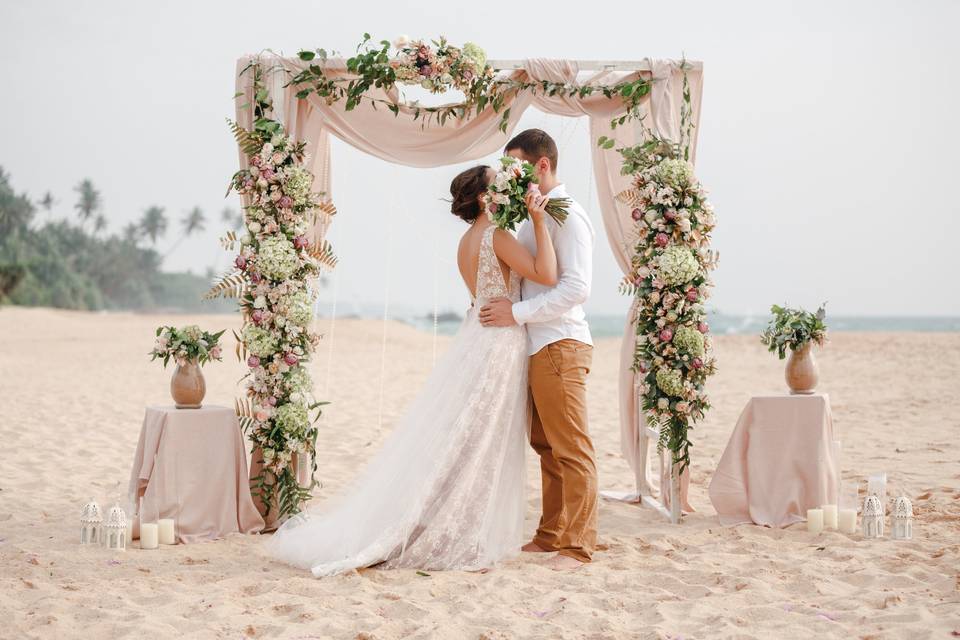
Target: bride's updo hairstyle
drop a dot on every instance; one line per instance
(466, 189)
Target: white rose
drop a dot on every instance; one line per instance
(401, 41)
(260, 302)
(651, 215)
(663, 403)
(684, 225)
(267, 149)
(254, 227)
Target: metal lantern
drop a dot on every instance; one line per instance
(902, 519)
(115, 530)
(872, 517)
(91, 523)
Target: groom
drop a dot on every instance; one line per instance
(560, 351)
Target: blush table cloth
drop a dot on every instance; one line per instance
(191, 465)
(781, 460)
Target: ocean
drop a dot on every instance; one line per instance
(720, 323)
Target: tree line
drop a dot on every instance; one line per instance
(74, 262)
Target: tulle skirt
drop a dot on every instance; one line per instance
(446, 491)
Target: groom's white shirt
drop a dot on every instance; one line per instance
(556, 313)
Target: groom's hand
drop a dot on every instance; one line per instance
(497, 313)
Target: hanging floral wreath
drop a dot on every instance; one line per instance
(272, 279)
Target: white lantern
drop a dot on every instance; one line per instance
(902, 519)
(872, 517)
(91, 523)
(115, 530)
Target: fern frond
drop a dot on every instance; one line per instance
(229, 285)
(630, 197)
(247, 141)
(241, 349)
(229, 241)
(243, 407)
(322, 252)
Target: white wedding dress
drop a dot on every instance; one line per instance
(446, 491)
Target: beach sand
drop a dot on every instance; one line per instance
(74, 385)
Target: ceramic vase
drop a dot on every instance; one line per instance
(187, 386)
(801, 373)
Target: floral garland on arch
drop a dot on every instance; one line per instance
(439, 66)
(670, 282)
(272, 277)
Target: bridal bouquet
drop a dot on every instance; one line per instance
(505, 196)
(186, 344)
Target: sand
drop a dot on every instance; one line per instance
(74, 385)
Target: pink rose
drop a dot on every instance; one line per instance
(267, 174)
(692, 295)
(426, 70)
(669, 214)
(215, 353)
(638, 281)
(272, 401)
(257, 316)
(291, 359)
(254, 277)
(253, 361)
(241, 262)
(300, 242)
(662, 239)
(636, 214)
(255, 161)
(703, 327)
(666, 335)
(696, 363)
(261, 415)
(286, 202)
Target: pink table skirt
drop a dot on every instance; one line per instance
(191, 465)
(781, 460)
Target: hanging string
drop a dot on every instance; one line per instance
(333, 316)
(436, 287)
(386, 311)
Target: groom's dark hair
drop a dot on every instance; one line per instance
(535, 144)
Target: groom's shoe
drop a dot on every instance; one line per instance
(563, 563)
(533, 547)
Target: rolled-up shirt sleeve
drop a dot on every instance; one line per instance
(573, 244)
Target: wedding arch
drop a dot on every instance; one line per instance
(654, 212)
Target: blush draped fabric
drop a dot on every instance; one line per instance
(782, 459)
(403, 140)
(191, 465)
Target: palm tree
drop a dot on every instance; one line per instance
(89, 201)
(193, 222)
(154, 223)
(99, 224)
(47, 202)
(131, 233)
(232, 218)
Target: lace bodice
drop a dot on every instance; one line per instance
(490, 282)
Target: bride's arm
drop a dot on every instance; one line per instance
(541, 268)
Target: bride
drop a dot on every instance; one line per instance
(446, 491)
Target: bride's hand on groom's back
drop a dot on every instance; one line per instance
(497, 313)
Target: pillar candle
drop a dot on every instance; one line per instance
(814, 520)
(829, 516)
(166, 531)
(847, 520)
(148, 535)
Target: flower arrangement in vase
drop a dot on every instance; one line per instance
(797, 330)
(190, 347)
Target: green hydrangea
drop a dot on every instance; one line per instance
(674, 172)
(677, 265)
(475, 53)
(259, 341)
(292, 419)
(690, 341)
(299, 381)
(300, 308)
(276, 258)
(298, 184)
(670, 381)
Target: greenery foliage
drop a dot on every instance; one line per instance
(794, 328)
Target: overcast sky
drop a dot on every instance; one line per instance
(828, 136)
